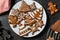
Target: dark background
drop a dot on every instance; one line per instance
(50, 20)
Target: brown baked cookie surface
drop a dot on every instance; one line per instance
(56, 26)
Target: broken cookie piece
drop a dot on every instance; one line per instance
(52, 8)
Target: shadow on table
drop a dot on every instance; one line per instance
(0, 24)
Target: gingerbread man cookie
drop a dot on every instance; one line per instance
(52, 8)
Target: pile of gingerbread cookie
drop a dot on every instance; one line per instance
(27, 17)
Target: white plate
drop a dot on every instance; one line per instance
(44, 18)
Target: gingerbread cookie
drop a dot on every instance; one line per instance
(37, 14)
(34, 29)
(52, 7)
(24, 7)
(39, 23)
(56, 26)
(24, 32)
(14, 21)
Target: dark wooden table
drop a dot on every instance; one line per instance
(50, 20)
